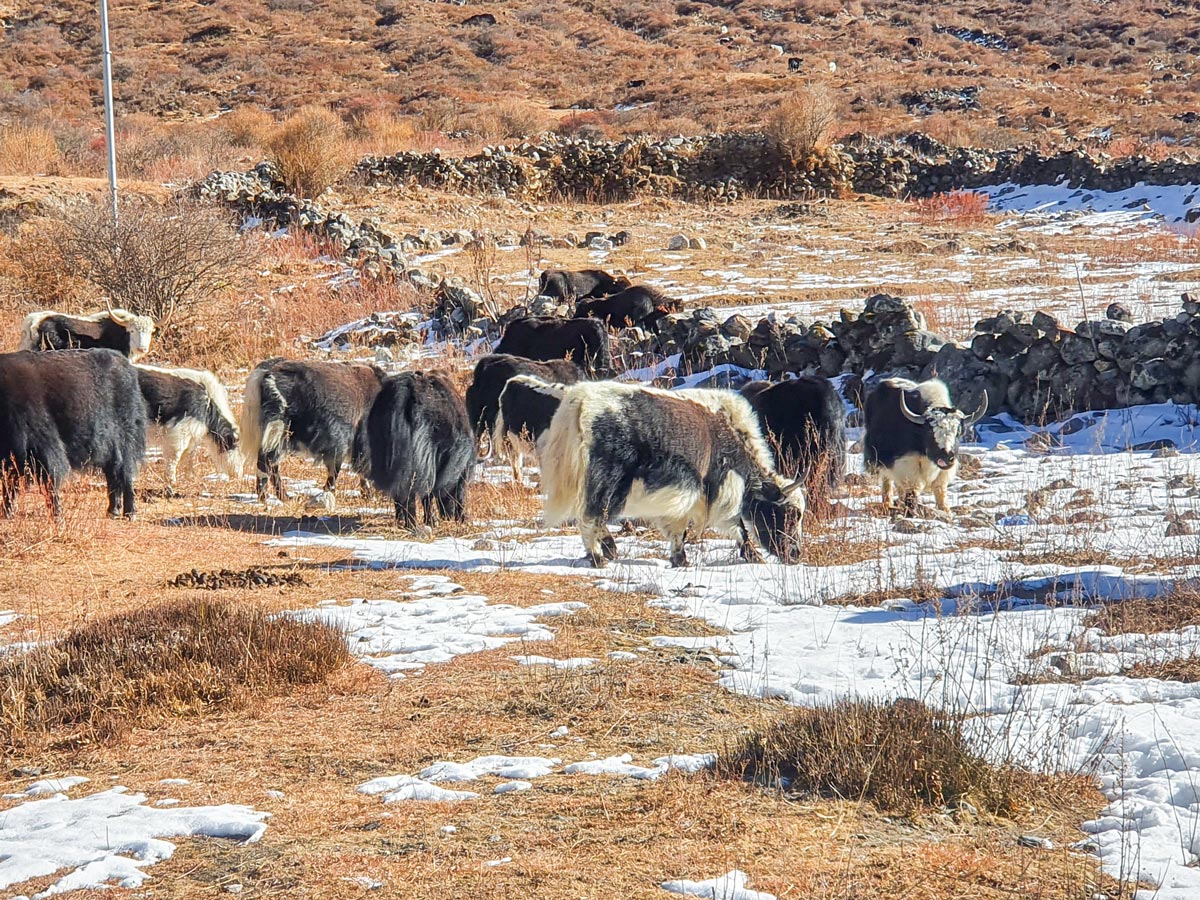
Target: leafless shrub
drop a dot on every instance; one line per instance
(799, 124)
(311, 151)
(162, 262)
(28, 150)
(174, 659)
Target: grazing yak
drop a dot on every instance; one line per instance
(561, 284)
(187, 409)
(114, 329)
(527, 406)
(804, 421)
(310, 407)
(638, 305)
(584, 341)
(68, 410)
(416, 445)
(616, 450)
(912, 436)
(493, 372)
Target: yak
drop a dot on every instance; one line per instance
(114, 329)
(416, 445)
(66, 410)
(584, 341)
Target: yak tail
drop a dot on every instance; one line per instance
(565, 461)
(30, 338)
(264, 412)
(831, 437)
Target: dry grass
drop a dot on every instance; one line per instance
(311, 150)
(183, 658)
(1177, 610)
(798, 125)
(962, 209)
(901, 757)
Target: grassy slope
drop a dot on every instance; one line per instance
(1122, 61)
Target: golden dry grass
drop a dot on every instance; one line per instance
(319, 742)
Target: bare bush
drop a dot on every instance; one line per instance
(162, 262)
(28, 150)
(799, 124)
(311, 151)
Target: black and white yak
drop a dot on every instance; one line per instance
(677, 462)
(491, 375)
(304, 407)
(639, 305)
(584, 341)
(416, 445)
(69, 410)
(527, 406)
(804, 421)
(188, 409)
(561, 284)
(912, 436)
(113, 329)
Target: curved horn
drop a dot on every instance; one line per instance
(793, 487)
(979, 413)
(908, 413)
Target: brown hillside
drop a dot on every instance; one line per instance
(1052, 70)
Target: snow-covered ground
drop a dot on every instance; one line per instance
(991, 646)
(108, 837)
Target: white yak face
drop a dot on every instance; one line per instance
(141, 330)
(945, 427)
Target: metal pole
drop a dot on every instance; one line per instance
(109, 130)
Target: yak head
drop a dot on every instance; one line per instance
(943, 427)
(775, 512)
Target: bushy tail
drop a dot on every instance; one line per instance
(264, 415)
(565, 462)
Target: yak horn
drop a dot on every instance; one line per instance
(793, 487)
(908, 413)
(979, 413)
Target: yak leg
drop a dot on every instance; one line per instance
(747, 550)
(453, 502)
(173, 450)
(333, 468)
(678, 553)
(598, 544)
(939, 490)
(10, 483)
(910, 501)
(889, 497)
(431, 510)
(406, 513)
(120, 493)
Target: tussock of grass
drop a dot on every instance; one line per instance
(141, 666)
(1150, 616)
(902, 757)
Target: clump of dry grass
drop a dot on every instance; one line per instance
(1147, 616)
(28, 150)
(137, 667)
(964, 209)
(900, 756)
(311, 150)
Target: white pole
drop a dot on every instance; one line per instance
(109, 130)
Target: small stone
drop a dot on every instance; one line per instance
(1118, 312)
(483, 544)
(234, 887)
(678, 242)
(1032, 840)
(697, 243)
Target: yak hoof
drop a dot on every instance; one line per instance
(679, 560)
(608, 547)
(596, 561)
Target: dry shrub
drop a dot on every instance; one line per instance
(248, 126)
(799, 124)
(961, 208)
(311, 150)
(162, 262)
(381, 132)
(511, 119)
(140, 667)
(902, 757)
(28, 150)
(32, 272)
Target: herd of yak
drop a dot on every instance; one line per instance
(742, 462)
